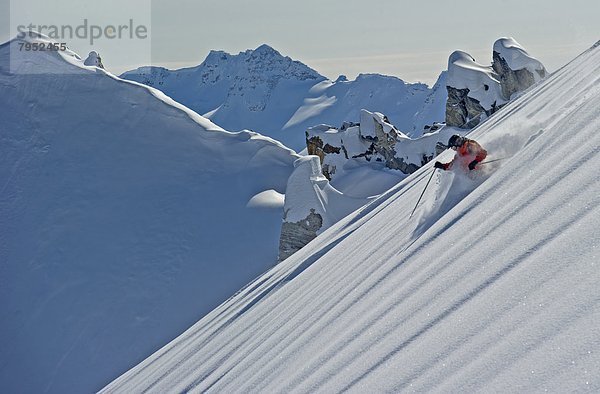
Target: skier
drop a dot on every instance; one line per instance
(468, 153)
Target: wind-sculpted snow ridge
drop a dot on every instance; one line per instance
(498, 293)
(465, 73)
(312, 204)
(263, 90)
(476, 91)
(517, 57)
(124, 217)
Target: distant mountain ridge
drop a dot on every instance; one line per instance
(258, 70)
(265, 91)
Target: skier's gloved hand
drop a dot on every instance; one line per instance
(473, 164)
(438, 165)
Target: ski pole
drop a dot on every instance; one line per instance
(491, 161)
(425, 188)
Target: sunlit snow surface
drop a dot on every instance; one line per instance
(123, 220)
(491, 286)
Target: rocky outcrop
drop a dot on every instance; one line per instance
(304, 212)
(476, 91)
(311, 206)
(464, 111)
(523, 70)
(385, 145)
(375, 141)
(295, 235)
(94, 59)
(320, 143)
(511, 81)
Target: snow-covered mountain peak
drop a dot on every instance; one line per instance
(261, 89)
(242, 82)
(371, 76)
(215, 57)
(265, 50)
(253, 62)
(265, 60)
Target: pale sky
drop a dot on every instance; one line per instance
(408, 39)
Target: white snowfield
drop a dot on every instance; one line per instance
(123, 220)
(492, 286)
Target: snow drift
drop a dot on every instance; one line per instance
(312, 205)
(123, 219)
(499, 293)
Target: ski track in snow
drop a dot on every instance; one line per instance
(488, 287)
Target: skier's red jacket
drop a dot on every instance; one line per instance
(468, 152)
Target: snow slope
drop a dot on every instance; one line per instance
(262, 90)
(123, 220)
(492, 286)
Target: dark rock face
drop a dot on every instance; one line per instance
(384, 144)
(316, 146)
(513, 81)
(477, 91)
(463, 111)
(456, 108)
(296, 235)
(373, 140)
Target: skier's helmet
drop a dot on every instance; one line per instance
(455, 141)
